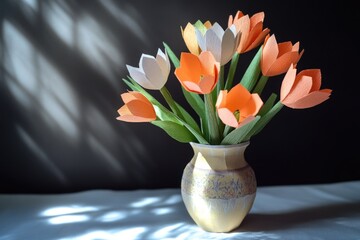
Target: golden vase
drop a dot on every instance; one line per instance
(218, 186)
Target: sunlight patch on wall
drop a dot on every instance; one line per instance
(57, 15)
(37, 86)
(97, 45)
(124, 18)
(29, 7)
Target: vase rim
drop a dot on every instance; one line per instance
(220, 146)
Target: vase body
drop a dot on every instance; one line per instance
(218, 186)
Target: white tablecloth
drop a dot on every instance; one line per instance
(323, 211)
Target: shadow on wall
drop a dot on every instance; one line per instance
(62, 65)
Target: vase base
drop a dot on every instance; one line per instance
(218, 215)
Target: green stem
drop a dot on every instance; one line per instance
(220, 84)
(261, 84)
(214, 136)
(170, 101)
(227, 130)
(232, 70)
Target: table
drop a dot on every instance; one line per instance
(318, 211)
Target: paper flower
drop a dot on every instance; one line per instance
(198, 74)
(137, 108)
(152, 72)
(227, 113)
(277, 58)
(189, 35)
(238, 106)
(252, 32)
(221, 43)
(303, 90)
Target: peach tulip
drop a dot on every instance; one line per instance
(303, 90)
(238, 106)
(252, 32)
(189, 36)
(137, 108)
(277, 58)
(198, 74)
(152, 72)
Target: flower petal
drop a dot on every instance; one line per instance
(257, 18)
(252, 107)
(213, 41)
(282, 64)
(208, 61)
(315, 74)
(237, 97)
(139, 76)
(285, 47)
(227, 117)
(206, 84)
(243, 26)
(269, 54)
(190, 38)
(152, 71)
(311, 100)
(191, 87)
(162, 60)
(228, 45)
(200, 40)
(245, 121)
(190, 68)
(300, 89)
(287, 82)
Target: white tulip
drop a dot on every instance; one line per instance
(222, 44)
(152, 72)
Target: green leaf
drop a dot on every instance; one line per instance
(261, 84)
(265, 120)
(268, 104)
(252, 73)
(210, 114)
(238, 135)
(188, 118)
(163, 113)
(176, 131)
(195, 102)
(232, 70)
(174, 59)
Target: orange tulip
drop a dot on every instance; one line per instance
(303, 90)
(137, 108)
(277, 58)
(198, 74)
(238, 106)
(252, 32)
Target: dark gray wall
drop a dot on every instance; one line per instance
(62, 65)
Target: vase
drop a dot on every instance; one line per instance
(218, 186)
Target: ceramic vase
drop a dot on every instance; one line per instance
(218, 186)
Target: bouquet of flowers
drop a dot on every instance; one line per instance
(229, 110)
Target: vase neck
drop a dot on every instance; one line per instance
(219, 157)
